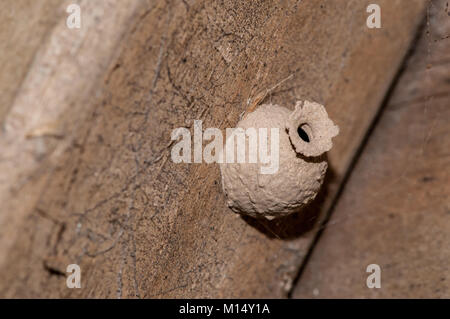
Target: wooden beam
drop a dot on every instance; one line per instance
(394, 211)
(93, 182)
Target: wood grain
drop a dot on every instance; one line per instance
(24, 25)
(395, 209)
(93, 183)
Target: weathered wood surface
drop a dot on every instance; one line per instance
(87, 173)
(24, 24)
(395, 209)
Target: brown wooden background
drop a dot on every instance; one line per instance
(86, 175)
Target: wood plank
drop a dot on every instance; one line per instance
(395, 209)
(104, 193)
(19, 41)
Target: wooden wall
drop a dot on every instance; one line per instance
(86, 170)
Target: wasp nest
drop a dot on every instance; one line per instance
(290, 160)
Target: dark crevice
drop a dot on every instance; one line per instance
(53, 271)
